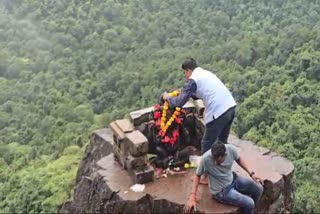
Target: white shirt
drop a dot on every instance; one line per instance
(216, 97)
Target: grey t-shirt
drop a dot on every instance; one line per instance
(220, 176)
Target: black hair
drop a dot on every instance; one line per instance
(189, 64)
(218, 149)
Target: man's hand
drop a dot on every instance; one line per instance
(257, 179)
(165, 96)
(192, 202)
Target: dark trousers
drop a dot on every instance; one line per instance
(218, 129)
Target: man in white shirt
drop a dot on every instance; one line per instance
(218, 101)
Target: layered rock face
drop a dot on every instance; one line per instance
(103, 186)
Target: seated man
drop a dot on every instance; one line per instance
(226, 186)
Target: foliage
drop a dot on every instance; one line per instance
(68, 67)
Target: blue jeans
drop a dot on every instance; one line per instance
(243, 192)
(218, 129)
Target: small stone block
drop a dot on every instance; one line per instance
(125, 125)
(141, 116)
(120, 156)
(132, 162)
(116, 130)
(142, 176)
(138, 145)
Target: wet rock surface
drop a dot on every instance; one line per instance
(102, 186)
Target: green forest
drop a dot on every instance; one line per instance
(68, 67)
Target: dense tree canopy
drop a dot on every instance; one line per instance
(68, 67)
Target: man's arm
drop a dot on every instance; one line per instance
(244, 166)
(194, 97)
(195, 184)
(192, 202)
(187, 91)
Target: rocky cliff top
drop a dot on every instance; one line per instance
(103, 186)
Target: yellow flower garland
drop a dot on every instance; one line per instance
(165, 125)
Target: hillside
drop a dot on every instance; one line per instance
(68, 67)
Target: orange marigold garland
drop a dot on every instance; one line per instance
(163, 124)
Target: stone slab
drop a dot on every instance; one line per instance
(140, 116)
(125, 125)
(138, 143)
(103, 186)
(132, 162)
(105, 134)
(174, 188)
(117, 131)
(142, 176)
